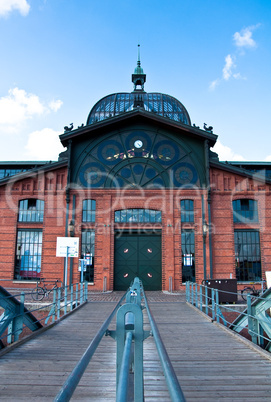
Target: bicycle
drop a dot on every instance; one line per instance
(41, 291)
(252, 291)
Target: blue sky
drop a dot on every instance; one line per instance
(59, 57)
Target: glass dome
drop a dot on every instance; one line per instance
(158, 103)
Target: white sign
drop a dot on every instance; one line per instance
(268, 279)
(62, 243)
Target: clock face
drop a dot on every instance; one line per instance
(138, 143)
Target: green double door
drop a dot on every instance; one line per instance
(138, 255)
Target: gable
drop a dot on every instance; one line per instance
(138, 155)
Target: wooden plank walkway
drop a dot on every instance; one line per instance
(210, 363)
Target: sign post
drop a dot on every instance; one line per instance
(67, 247)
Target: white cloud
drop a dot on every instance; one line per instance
(227, 72)
(7, 6)
(225, 153)
(19, 106)
(268, 158)
(44, 145)
(55, 105)
(214, 84)
(227, 69)
(244, 37)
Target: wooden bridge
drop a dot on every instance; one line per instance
(211, 362)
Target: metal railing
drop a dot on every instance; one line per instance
(129, 336)
(174, 387)
(253, 317)
(72, 381)
(21, 312)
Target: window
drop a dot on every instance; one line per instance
(188, 256)
(89, 208)
(31, 210)
(87, 250)
(138, 216)
(187, 210)
(245, 211)
(28, 254)
(247, 255)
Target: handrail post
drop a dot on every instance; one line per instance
(81, 292)
(76, 294)
(19, 320)
(52, 312)
(213, 304)
(86, 291)
(252, 322)
(58, 302)
(216, 305)
(187, 288)
(54, 305)
(206, 300)
(196, 295)
(192, 294)
(71, 303)
(65, 299)
(200, 297)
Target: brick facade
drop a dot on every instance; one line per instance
(50, 187)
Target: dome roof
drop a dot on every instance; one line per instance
(155, 102)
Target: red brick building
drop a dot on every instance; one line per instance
(145, 195)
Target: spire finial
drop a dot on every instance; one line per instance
(138, 78)
(138, 58)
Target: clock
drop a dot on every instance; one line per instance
(138, 143)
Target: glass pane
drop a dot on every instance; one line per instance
(88, 207)
(247, 256)
(117, 216)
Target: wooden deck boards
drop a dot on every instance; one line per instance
(211, 364)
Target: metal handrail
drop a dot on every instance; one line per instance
(129, 329)
(73, 380)
(174, 387)
(16, 316)
(122, 389)
(252, 316)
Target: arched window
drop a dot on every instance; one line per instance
(138, 216)
(245, 211)
(89, 209)
(187, 210)
(138, 159)
(31, 210)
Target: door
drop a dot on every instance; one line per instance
(138, 255)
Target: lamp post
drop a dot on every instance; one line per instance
(71, 228)
(71, 232)
(205, 230)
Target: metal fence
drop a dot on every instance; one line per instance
(252, 317)
(22, 313)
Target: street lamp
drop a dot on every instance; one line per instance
(71, 228)
(205, 229)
